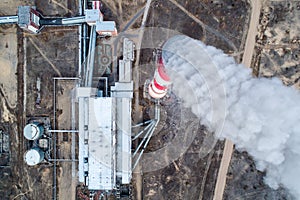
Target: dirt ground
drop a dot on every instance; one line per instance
(10, 7)
(244, 181)
(66, 182)
(61, 8)
(276, 54)
(190, 176)
(221, 23)
(121, 11)
(54, 52)
(8, 65)
(278, 42)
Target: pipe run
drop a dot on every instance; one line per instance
(63, 131)
(148, 135)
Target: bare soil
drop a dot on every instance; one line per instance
(66, 183)
(277, 52)
(60, 47)
(221, 23)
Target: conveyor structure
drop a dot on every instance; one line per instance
(29, 19)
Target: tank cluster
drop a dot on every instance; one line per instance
(34, 133)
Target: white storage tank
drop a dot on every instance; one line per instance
(34, 156)
(33, 131)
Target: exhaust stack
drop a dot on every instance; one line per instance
(158, 87)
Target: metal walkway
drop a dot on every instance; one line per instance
(62, 21)
(47, 21)
(9, 19)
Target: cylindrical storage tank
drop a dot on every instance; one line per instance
(33, 131)
(159, 85)
(34, 156)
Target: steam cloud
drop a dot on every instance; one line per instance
(262, 116)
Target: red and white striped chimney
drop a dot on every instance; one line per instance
(96, 5)
(158, 87)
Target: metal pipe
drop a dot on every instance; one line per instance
(54, 191)
(157, 111)
(141, 132)
(63, 131)
(73, 122)
(141, 124)
(63, 160)
(157, 119)
(144, 139)
(9, 19)
(84, 48)
(145, 145)
(88, 71)
(84, 30)
(73, 20)
(92, 55)
(80, 7)
(89, 59)
(79, 50)
(66, 78)
(80, 39)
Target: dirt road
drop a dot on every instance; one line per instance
(137, 172)
(252, 31)
(247, 57)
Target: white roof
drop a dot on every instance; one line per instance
(82, 149)
(101, 169)
(101, 120)
(124, 138)
(122, 90)
(92, 16)
(85, 92)
(128, 50)
(105, 26)
(31, 132)
(33, 157)
(95, 128)
(125, 74)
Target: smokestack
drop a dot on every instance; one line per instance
(158, 87)
(260, 116)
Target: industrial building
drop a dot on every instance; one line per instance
(104, 118)
(105, 158)
(105, 130)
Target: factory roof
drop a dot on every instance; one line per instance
(24, 16)
(101, 168)
(96, 142)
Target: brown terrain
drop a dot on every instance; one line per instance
(54, 53)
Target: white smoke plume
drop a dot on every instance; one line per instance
(261, 116)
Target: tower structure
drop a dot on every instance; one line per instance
(158, 87)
